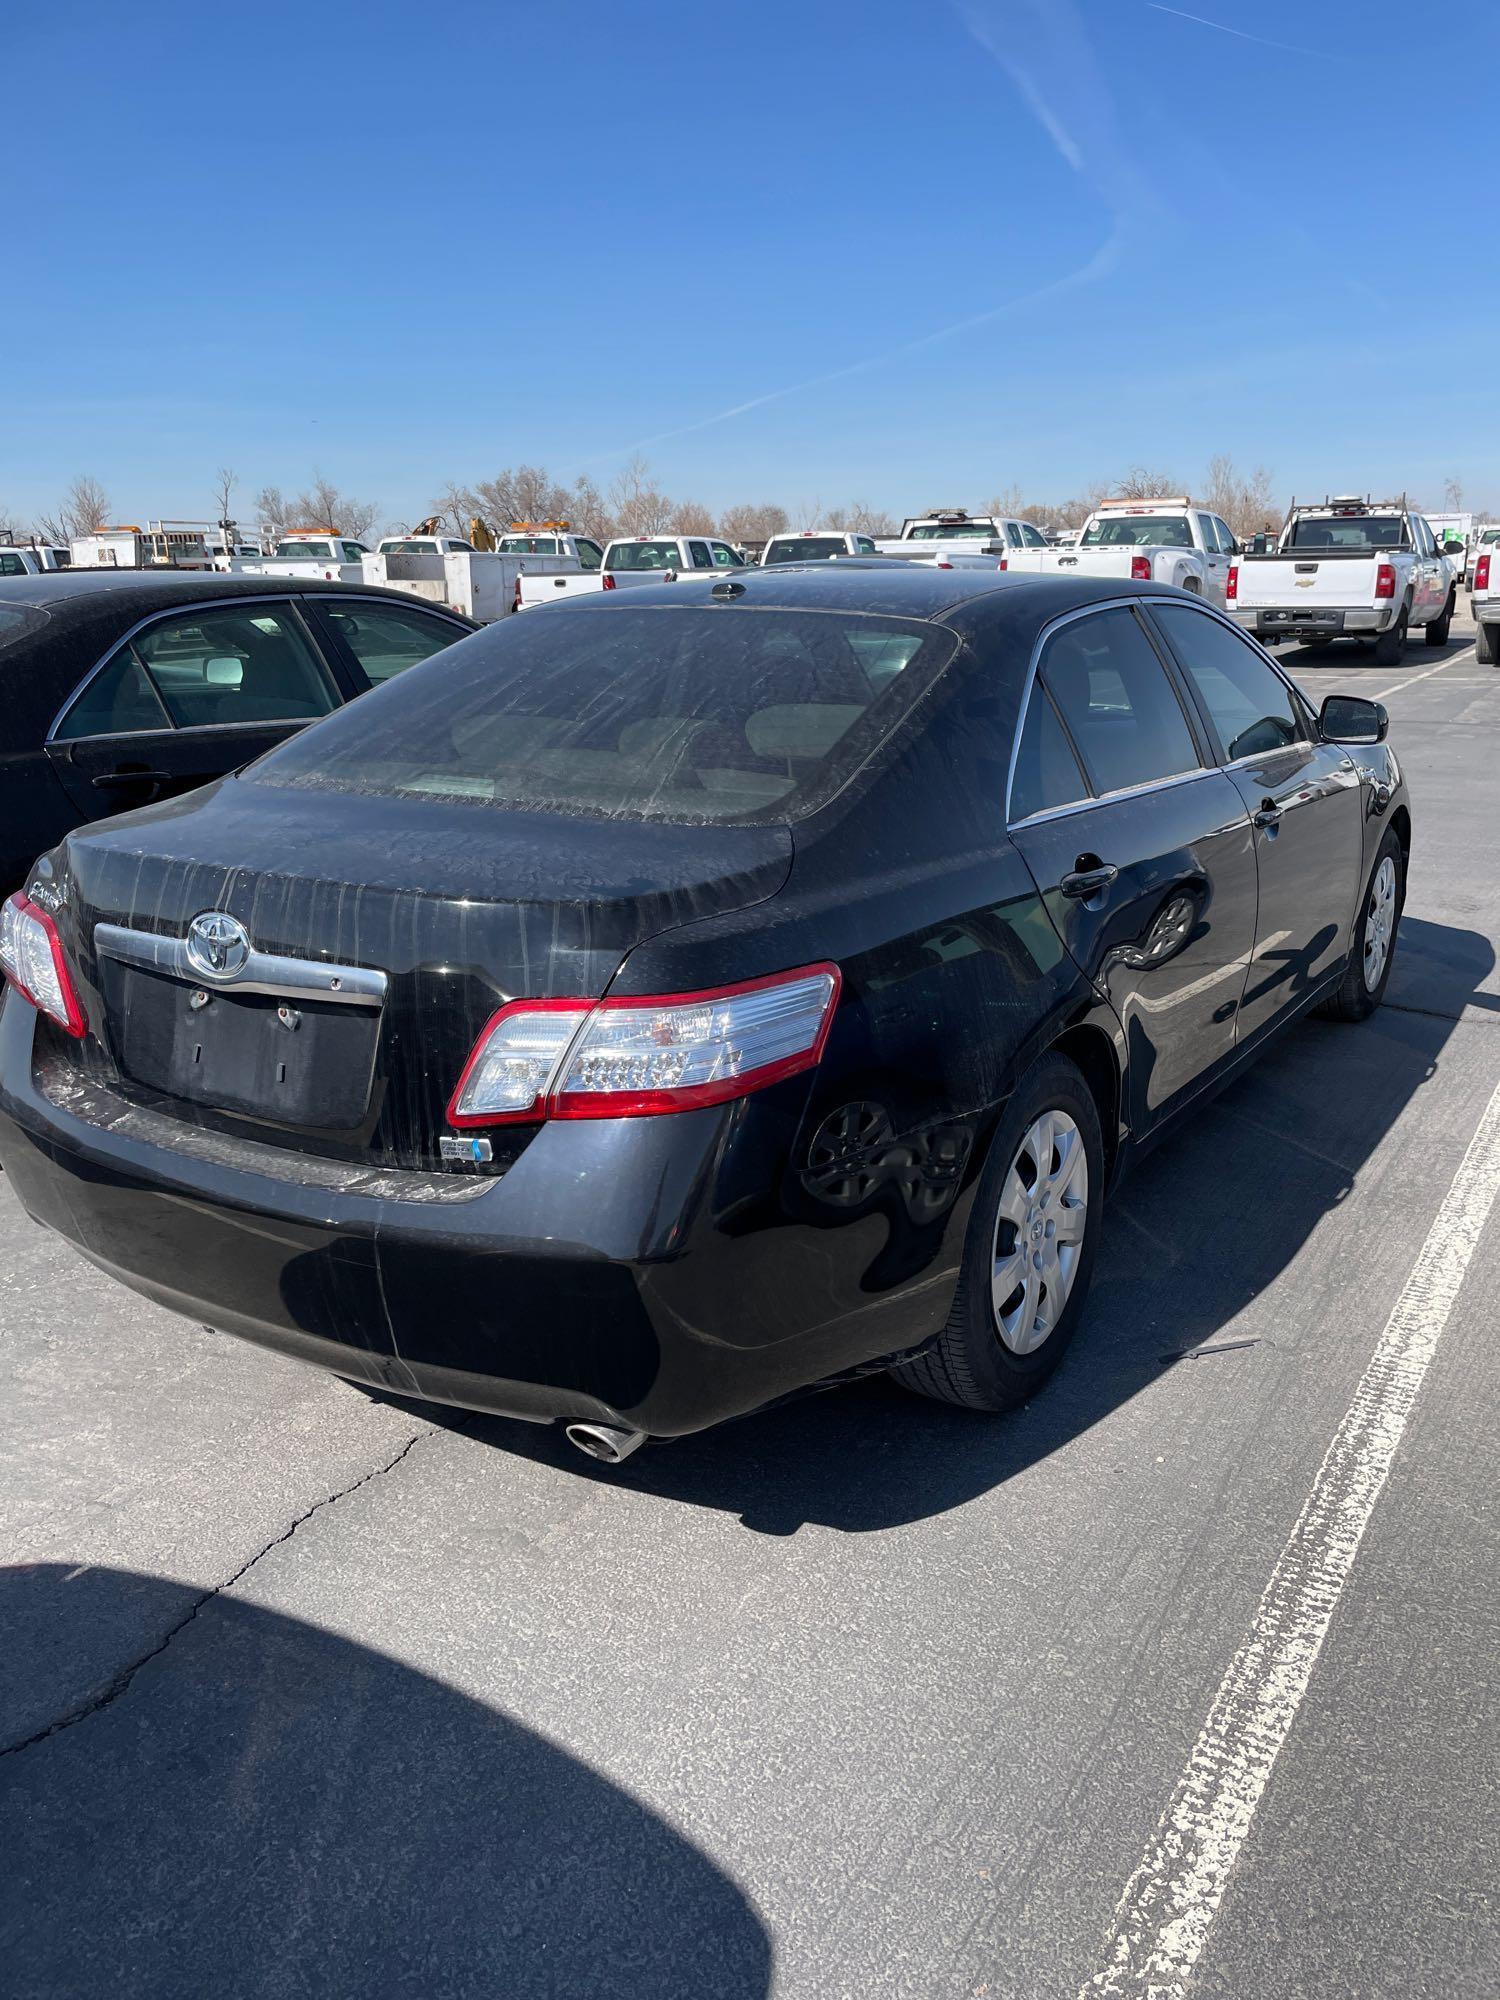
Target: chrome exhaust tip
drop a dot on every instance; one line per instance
(607, 1443)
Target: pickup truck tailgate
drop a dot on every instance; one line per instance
(1306, 582)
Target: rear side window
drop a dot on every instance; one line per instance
(699, 553)
(386, 640)
(1046, 774)
(690, 714)
(1250, 706)
(1121, 709)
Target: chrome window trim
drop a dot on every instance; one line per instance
(184, 611)
(262, 972)
(1094, 798)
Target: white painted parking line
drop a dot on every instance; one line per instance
(1441, 668)
(1163, 1919)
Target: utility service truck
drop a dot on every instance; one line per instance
(1172, 541)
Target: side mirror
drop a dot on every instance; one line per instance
(1349, 718)
(1258, 545)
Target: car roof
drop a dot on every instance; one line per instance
(88, 592)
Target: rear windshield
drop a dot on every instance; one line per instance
(306, 551)
(804, 548)
(693, 714)
(1340, 531)
(1140, 531)
(947, 531)
(644, 555)
(17, 620)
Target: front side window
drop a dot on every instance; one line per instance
(1032, 537)
(590, 555)
(725, 557)
(386, 640)
(1114, 695)
(864, 545)
(1250, 705)
(353, 551)
(687, 714)
(241, 663)
(1046, 774)
(1228, 545)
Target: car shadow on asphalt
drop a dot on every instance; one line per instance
(1202, 1227)
(267, 1808)
(1356, 653)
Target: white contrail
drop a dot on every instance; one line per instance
(1287, 48)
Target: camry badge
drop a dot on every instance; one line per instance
(217, 945)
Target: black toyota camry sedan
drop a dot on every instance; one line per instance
(644, 1010)
(118, 688)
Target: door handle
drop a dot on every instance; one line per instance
(112, 781)
(1089, 878)
(1269, 814)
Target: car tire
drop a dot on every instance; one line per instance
(1437, 632)
(1487, 645)
(1368, 972)
(1390, 647)
(995, 1353)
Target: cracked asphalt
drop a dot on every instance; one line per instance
(307, 1693)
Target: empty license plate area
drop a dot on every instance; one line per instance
(300, 1062)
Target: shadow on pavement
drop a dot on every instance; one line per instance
(271, 1809)
(1195, 1234)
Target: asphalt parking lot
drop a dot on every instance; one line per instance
(307, 1693)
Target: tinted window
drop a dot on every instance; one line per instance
(11, 564)
(947, 531)
(681, 714)
(865, 546)
(1032, 537)
(1336, 531)
(1046, 772)
(17, 620)
(1227, 543)
(353, 551)
(1119, 706)
(699, 553)
(725, 557)
(590, 555)
(643, 555)
(240, 663)
(386, 640)
(802, 548)
(1139, 531)
(118, 701)
(1250, 705)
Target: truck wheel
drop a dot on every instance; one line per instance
(1437, 631)
(1390, 647)
(1191, 583)
(1029, 1252)
(1363, 985)
(1487, 645)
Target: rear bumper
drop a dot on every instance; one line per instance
(1278, 620)
(657, 1273)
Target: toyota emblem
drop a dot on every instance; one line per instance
(218, 945)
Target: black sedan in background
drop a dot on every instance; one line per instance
(649, 1008)
(118, 688)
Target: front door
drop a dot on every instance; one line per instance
(1305, 802)
(1143, 857)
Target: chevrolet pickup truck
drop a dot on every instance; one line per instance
(1349, 568)
(1152, 541)
(333, 558)
(950, 531)
(1486, 536)
(632, 559)
(1486, 602)
(815, 545)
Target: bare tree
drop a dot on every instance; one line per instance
(272, 511)
(1140, 483)
(640, 507)
(752, 524)
(588, 510)
(1247, 504)
(322, 505)
(223, 487)
(83, 510)
(1453, 495)
(691, 517)
(860, 518)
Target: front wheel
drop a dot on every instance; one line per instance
(1368, 972)
(1437, 631)
(1390, 647)
(1029, 1252)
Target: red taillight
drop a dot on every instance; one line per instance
(515, 602)
(1232, 583)
(942, 563)
(1385, 581)
(31, 958)
(1140, 569)
(630, 1058)
(1005, 562)
(608, 582)
(1482, 573)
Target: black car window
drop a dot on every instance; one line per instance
(1120, 707)
(692, 714)
(118, 701)
(699, 553)
(1251, 706)
(1046, 773)
(387, 639)
(235, 663)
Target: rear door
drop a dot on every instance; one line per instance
(1305, 801)
(186, 698)
(1142, 855)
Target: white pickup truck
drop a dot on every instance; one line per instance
(1486, 602)
(633, 559)
(335, 558)
(1486, 536)
(32, 558)
(951, 531)
(1349, 568)
(1151, 541)
(815, 545)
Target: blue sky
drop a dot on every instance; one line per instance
(906, 253)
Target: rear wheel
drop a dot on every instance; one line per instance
(1029, 1252)
(1437, 631)
(1390, 647)
(1369, 969)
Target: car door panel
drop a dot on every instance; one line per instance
(103, 775)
